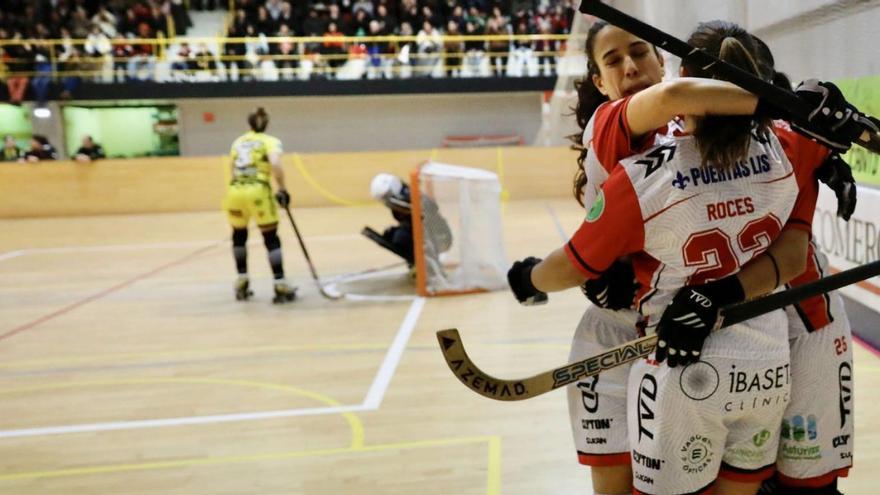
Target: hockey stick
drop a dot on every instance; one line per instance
(513, 390)
(781, 98)
(324, 292)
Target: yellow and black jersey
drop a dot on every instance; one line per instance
(250, 157)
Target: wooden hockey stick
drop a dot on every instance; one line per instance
(526, 388)
(324, 292)
(798, 108)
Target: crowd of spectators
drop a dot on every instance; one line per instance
(428, 20)
(85, 28)
(101, 39)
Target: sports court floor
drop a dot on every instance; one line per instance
(126, 366)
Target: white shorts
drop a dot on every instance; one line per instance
(718, 417)
(597, 405)
(817, 429)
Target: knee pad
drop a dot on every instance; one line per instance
(270, 238)
(239, 237)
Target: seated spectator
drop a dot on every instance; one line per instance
(11, 151)
(204, 63)
(89, 151)
(40, 150)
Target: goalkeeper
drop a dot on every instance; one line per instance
(399, 238)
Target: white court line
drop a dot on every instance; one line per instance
(392, 358)
(372, 401)
(11, 254)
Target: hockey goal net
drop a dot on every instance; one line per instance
(457, 233)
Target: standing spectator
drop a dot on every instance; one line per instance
(19, 60)
(97, 49)
(429, 42)
(73, 67)
(498, 48)
(285, 53)
(523, 51)
(142, 59)
(40, 150)
(234, 51)
(122, 53)
(379, 51)
(546, 49)
(475, 51)
(333, 48)
(105, 21)
(11, 151)
(453, 49)
(89, 151)
(405, 51)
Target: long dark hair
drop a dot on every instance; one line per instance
(723, 140)
(589, 99)
(258, 120)
(767, 66)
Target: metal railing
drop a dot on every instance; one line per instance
(271, 57)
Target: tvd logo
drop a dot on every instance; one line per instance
(647, 400)
(588, 393)
(844, 381)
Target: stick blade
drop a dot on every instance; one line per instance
(478, 381)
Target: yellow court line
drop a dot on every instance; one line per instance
(493, 485)
(354, 423)
(298, 162)
(115, 358)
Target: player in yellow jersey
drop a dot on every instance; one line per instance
(255, 156)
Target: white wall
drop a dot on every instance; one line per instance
(826, 39)
(359, 123)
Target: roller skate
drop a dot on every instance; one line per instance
(242, 288)
(283, 292)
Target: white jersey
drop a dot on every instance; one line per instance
(685, 224)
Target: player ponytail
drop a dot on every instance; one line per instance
(258, 120)
(723, 141)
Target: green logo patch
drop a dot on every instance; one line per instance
(761, 438)
(597, 208)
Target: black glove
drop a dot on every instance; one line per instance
(283, 198)
(615, 289)
(520, 279)
(691, 316)
(833, 121)
(836, 174)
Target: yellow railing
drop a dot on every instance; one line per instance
(324, 54)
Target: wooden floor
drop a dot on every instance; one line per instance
(127, 367)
